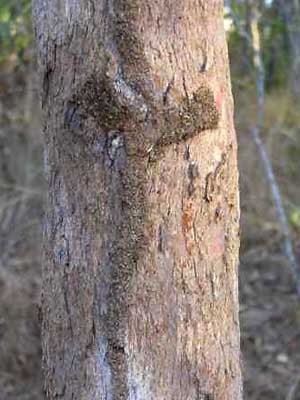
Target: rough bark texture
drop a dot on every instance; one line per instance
(140, 297)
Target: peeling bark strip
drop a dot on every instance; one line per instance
(141, 234)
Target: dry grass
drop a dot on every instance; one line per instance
(21, 197)
(270, 311)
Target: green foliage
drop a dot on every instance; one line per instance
(234, 37)
(273, 37)
(274, 48)
(15, 30)
(294, 217)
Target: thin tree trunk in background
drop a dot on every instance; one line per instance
(290, 11)
(246, 48)
(140, 297)
(256, 133)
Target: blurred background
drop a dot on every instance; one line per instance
(264, 45)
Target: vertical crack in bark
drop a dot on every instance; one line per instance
(212, 184)
(193, 174)
(67, 306)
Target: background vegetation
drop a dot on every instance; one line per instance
(270, 310)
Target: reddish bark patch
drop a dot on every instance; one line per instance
(220, 99)
(187, 219)
(215, 241)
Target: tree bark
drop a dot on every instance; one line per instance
(140, 296)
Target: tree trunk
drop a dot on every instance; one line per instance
(140, 297)
(290, 11)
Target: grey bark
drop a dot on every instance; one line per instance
(140, 297)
